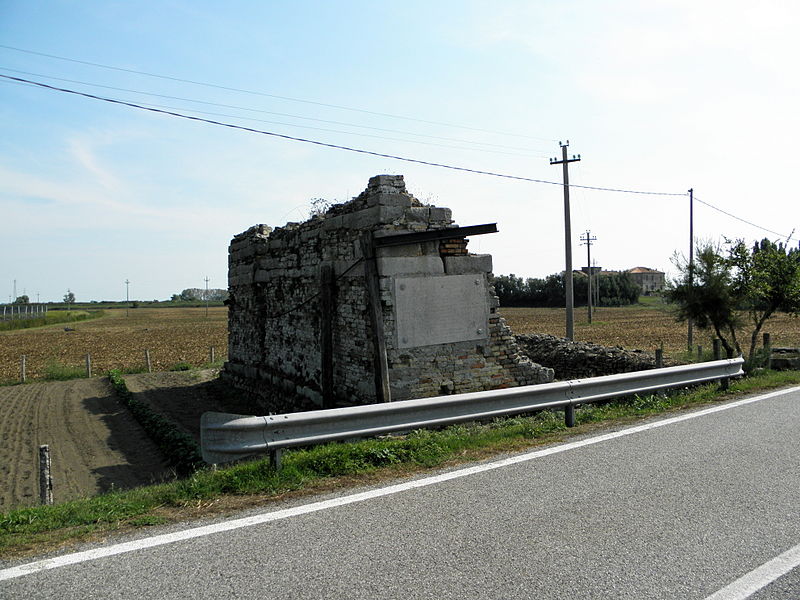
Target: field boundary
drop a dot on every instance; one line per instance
(178, 448)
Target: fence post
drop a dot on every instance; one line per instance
(768, 348)
(211, 354)
(45, 480)
(147, 360)
(88, 365)
(699, 353)
(659, 358)
(22, 365)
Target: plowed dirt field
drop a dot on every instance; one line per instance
(94, 442)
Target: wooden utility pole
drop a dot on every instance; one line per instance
(690, 333)
(570, 304)
(587, 240)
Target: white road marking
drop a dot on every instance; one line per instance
(196, 532)
(750, 583)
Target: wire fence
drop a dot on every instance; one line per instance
(12, 312)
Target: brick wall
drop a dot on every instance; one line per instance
(275, 308)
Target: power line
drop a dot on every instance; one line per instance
(287, 98)
(268, 112)
(725, 212)
(368, 135)
(328, 145)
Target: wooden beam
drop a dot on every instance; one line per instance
(327, 312)
(375, 311)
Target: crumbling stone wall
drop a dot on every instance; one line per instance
(276, 307)
(574, 360)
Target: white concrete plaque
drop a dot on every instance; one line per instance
(441, 310)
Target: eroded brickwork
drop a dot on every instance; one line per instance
(275, 308)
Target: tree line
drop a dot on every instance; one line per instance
(613, 289)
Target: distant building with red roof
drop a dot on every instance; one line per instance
(650, 280)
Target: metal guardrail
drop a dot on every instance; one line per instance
(227, 437)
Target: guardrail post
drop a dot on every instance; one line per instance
(569, 415)
(724, 382)
(699, 353)
(275, 456)
(660, 365)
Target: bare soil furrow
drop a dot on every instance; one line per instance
(95, 444)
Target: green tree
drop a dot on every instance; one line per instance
(734, 283)
(704, 293)
(69, 298)
(22, 300)
(766, 280)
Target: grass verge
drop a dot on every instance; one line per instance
(33, 530)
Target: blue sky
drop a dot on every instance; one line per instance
(662, 96)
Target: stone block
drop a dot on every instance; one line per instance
(402, 250)
(438, 213)
(410, 265)
(418, 214)
(464, 265)
(389, 197)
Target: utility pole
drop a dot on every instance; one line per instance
(127, 296)
(587, 240)
(570, 304)
(690, 333)
(206, 280)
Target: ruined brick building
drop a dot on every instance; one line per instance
(375, 300)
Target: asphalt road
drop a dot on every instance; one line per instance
(681, 509)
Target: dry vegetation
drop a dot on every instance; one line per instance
(176, 335)
(118, 341)
(637, 327)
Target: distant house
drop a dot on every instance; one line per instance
(649, 280)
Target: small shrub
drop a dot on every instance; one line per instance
(181, 366)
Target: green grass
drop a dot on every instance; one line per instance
(55, 371)
(307, 469)
(176, 446)
(52, 318)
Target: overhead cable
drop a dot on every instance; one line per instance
(725, 212)
(287, 98)
(328, 145)
(530, 151)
